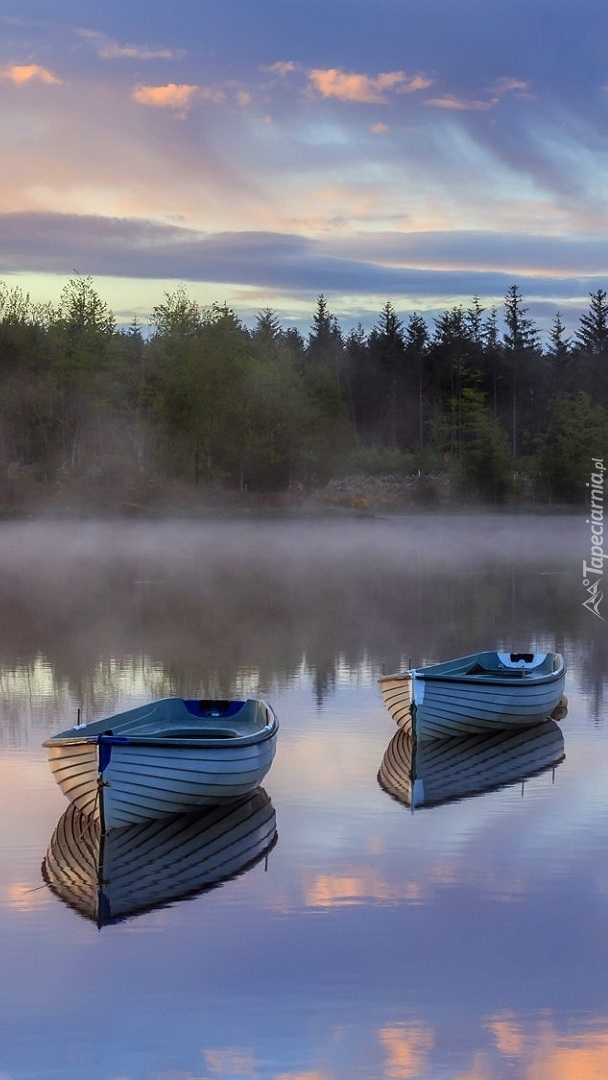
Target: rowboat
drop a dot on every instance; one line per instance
(487, 691)
(168, 757)
(108, 877)
(437, 771)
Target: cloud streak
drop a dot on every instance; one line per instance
(442, 266)
(452, 102)
(107, 49)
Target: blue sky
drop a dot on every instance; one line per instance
(417, 151)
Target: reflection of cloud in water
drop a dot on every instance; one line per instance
(232, 1062)
(406, 1048)
(361, 887)
(544, 1053)
(24, 897)
(528, 1047)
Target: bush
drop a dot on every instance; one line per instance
(380, 462)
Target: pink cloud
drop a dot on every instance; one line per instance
(366, 89)
(170, 96)
(19, 74)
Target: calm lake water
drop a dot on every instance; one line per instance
(465, 940)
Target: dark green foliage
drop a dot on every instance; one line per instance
(388, 347)
(477, 446)
(205, 401)
(577, 433)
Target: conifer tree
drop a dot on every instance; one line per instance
(592, 335)
(521, 342)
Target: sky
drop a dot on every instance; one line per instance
(421, 152)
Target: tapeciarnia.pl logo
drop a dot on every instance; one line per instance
(593, 571)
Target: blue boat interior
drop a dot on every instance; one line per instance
(219, 719)
(210, 707)
(515, 665)
(516, 672)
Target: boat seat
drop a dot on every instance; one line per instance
(508, 673)
(196, 733)
(213, 707)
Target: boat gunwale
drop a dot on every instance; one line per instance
(455, 671)
(93, 733)
(506, 678)
(200, 741)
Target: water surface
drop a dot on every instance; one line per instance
(463, 940)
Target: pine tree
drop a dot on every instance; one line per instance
(521, 342)
(324, 340)
(474, 321)
(388, 348)
(560, 346)
(521, 336)
(416, 350)
(592, 335)
(592, 340)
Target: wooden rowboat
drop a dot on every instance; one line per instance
(107, 877)
(487, 691)
(168, 757)
(438, 771)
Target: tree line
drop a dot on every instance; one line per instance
(476, 397)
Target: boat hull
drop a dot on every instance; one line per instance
(397, 694)
(444, 709)
(127, 779)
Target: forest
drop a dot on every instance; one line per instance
(474, 407)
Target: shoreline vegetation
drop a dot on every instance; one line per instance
(349, 496)
(202, 415)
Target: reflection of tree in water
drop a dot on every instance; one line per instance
(593, 658)
(324, 681)
(222, 609)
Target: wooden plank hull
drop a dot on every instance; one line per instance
(130, 769)
(432, 772)
(397, 694)
(435, 706)
(75, 767)
(112, 876)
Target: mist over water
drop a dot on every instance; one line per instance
(223, 595)
(207, 607)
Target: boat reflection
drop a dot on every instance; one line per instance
(437, 771)
(110, 877)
